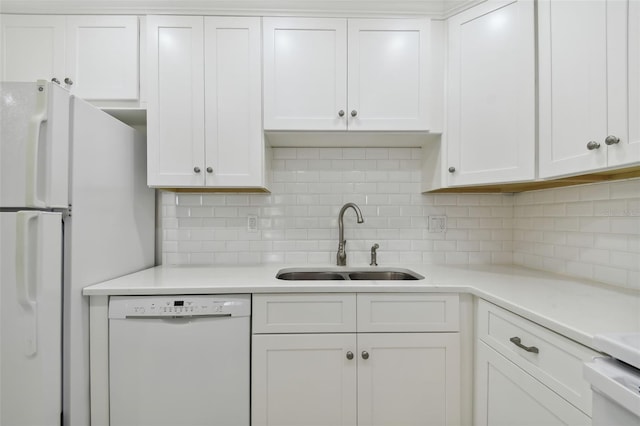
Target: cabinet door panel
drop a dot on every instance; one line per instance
(102, 57)
(573, 85)
(507, 396)
(409, 379)
(623, 68)
(388, 74)
(175, 115)
(303, 379)
(32, 47)
(491, 120)
(233, 126)
(305, 68)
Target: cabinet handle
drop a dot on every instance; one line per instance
(516, 341)
(452, 169)
(365, 355)
(68, 81)
(209, 169)
(349, 355)
(593, 145)
(612, 140)
(354, 113)
(55, 80)
(341, 113)
(196, 169)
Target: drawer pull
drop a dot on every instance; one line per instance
(516, 341)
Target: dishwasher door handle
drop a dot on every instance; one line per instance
(168, 317)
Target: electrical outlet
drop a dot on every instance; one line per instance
(252, 223)
(437, 224)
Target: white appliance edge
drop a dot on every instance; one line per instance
(94, 174)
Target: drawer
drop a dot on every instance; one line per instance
(558, 363)
(304, 313)
(408, 312)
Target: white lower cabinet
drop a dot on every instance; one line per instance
(526, 374)
(303, 379)
(349, 378)
(408, 379)
(506, 395)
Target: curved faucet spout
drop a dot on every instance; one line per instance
(342, 254)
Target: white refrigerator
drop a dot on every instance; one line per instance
(74, 210)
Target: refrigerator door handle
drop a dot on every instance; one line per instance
(26, 276)
(33, 146)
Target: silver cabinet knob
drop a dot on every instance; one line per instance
(209, 169)
(341, 113)
(365, 355)
(349, 355)
(68, 81)
(452, 169)
(354, 113)
(196, 169)
(55, 80)
(593, 145)
(612, 140)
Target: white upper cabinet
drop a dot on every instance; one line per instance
(204, 113)
(388, 74)
(234, 146)
(490, 134)
(305, 71)
(102, 56)
(175, 114)
(311, 83)
(588, 83)
(96, 57)
(32, 47)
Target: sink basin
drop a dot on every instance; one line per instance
(309, 275)
(384, 275)
(338, 273)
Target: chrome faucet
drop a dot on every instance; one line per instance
(342, 254)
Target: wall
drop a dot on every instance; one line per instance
(590, 231)
(298, 220)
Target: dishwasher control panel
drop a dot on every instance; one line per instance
(121, 307)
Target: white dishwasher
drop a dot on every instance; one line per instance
(179, 360)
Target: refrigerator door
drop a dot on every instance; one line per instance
(34, 153)
(30, 318)
(110, 232)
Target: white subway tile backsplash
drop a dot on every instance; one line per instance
(590, 231)
(597, 238)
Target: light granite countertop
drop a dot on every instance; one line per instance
(575, 308)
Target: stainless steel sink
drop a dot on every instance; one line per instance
(309, 275)
(337, 273)
(384, 275)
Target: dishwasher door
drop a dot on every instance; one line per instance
(179, 360)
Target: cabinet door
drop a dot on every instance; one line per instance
(491, 117)
(305, 74)
(507, 396)
(175, 114)
(388, 74)
(303, 379)
(623, 45)
(32, 47)
(233, 102)
(572, 39)
(102, 57)
(408, 379)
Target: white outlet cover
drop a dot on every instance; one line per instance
(252, 223)
(437, 224)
